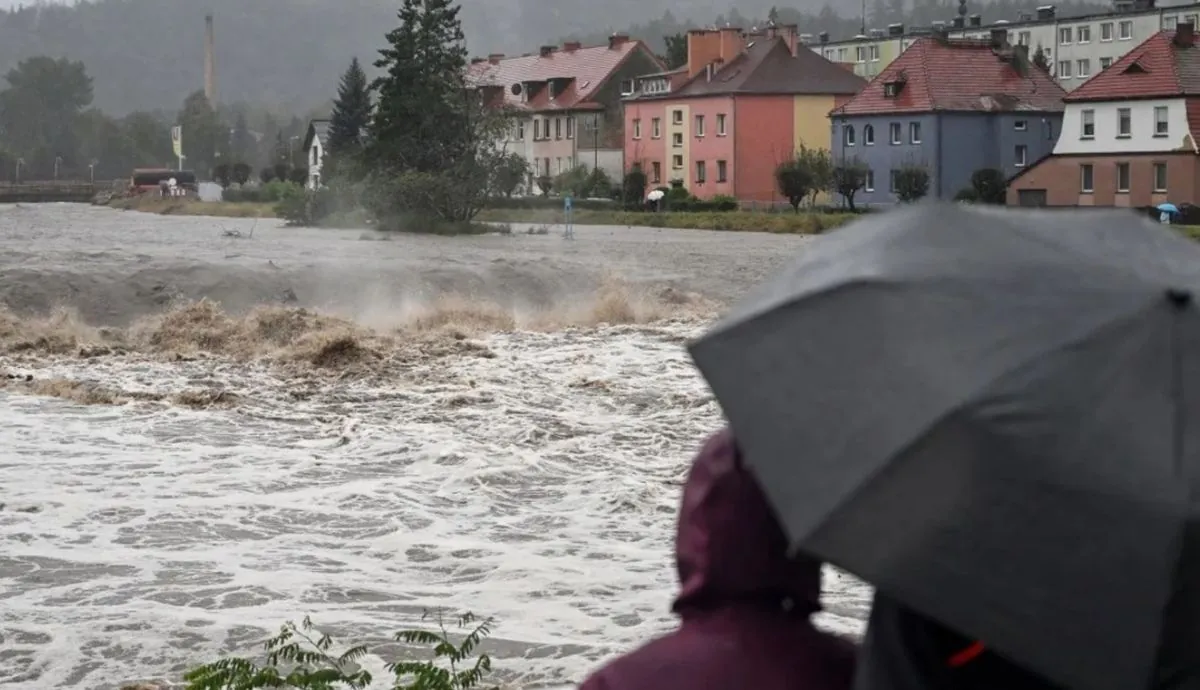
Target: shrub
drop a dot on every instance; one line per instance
(795, 181)
(223, 175)
(912, 183)
(300, 657)
(266, 175)
(545, 184)
(967, 195)
(989, 186)
(241, 172)
(633, 187)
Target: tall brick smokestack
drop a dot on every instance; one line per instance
(210, 68)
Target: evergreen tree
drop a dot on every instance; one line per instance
(351, 112)
(422, 121)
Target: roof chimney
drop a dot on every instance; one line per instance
(895, 29)
(572, 46)
(547, 51)
(823, 37)
(1185, 35)
(975, 20)
(1045, 12)
(495, 58)
(617, 40)
(999, 38)
(478, 60)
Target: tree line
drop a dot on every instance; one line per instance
(49, 128)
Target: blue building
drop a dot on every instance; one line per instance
(952, 106)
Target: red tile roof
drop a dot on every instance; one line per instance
(958, 75)
(1155, 69)
(585, 68)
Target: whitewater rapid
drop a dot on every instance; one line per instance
(530, 474)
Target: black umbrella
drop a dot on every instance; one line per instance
(994, 416)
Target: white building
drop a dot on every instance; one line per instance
(315, 140)
(1076, 48)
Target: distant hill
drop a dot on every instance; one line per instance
(288, 54)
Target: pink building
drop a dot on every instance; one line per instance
(567, 102)
(742, 105)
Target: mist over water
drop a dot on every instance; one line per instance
(206, 436)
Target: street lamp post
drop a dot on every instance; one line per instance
(57, 162)
(92, 171)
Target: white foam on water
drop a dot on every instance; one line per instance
(538, 486)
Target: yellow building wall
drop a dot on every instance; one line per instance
(811, 127)
(670, 128)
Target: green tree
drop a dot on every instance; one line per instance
(795, 181)
(819, 164)
(241, 141)
(510, 174)
(989, 186)
(1041, 60)
(39, 112)
(421, 121)
(912, 183)
(149, 139)
(848, 178)
(202, 132)
(351, 115)
(677, 50)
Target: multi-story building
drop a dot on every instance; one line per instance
(1075, 47)
(745, 104)
(952, 106)
(1129, 135)
(566, 102)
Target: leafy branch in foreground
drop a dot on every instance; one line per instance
(299, 658)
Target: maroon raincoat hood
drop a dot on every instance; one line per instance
(729, 547)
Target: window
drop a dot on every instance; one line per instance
(520, 130)
(677, 140)
(558, 128)
(868, 135)
(1170, 21)
(1087, 124)
(873, 53)
(869, 183)
(1083, 34)
(1161, 127)
(1122, 178)
(892, 181)
(720, 124)
(1106, 31)
(699, 126)
(1064, 69)
(1021, 125)
(546, 128)
(914, 132)
(546, 167)
(1083, 68)
(676, 162)
(722, 172)
(656, 128)
(1105, 62)
(701, 172)
(860, 54)
(1125, 30)
(1021, 155)
(558, 167)
(570, 128)
(677, 117)
(637, 129)
(656, 172)
(1022, 38)
(1160, 177)
(1064, 36)
(848, 135)
(1085, 178)
(1124, 123)
(1191, 19)
(894, 133)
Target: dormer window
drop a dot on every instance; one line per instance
(892, 89)
(1135, 68)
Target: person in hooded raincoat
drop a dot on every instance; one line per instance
(744, 605)
(904, 650)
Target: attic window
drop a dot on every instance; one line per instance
(627, 87)
(892, 89)
(1135, 68)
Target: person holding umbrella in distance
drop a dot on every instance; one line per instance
(993, 416)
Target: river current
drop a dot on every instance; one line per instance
(214, 426)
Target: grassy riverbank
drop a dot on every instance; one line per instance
(194, 207)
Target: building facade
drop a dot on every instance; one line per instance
(1075, 47)
(952, 107)
(1129, 133)
(746, 103)
(566, 102)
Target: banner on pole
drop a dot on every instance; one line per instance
(177, 140)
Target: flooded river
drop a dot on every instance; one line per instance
(213, 426)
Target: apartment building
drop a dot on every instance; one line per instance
(565, 102)
(1129, 135)
(1076, 48)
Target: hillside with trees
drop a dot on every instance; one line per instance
(147, 55)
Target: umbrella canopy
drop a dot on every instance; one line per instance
(1169, 208)
(993, 416)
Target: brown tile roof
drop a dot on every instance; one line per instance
(585, 69)
(957, 75)
(1157, 68)
(767, 67)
